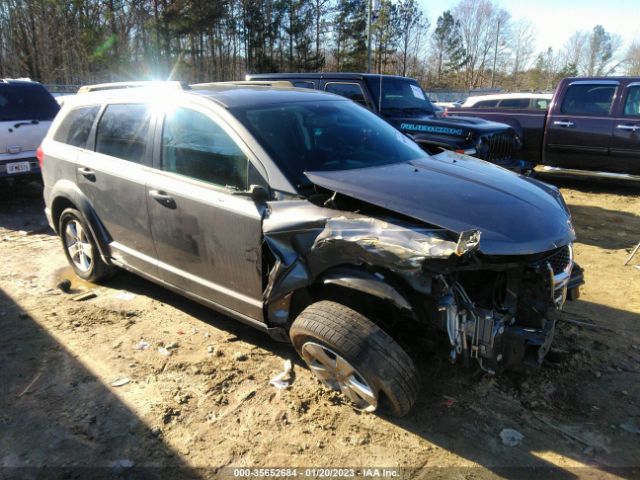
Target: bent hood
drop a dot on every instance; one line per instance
(516, 215)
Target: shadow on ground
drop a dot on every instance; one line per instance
(605, 228)
(52, 405)
(22, 209)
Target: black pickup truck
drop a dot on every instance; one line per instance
(404, 104)
(592, 128)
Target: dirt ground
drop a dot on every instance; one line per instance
(209, 404)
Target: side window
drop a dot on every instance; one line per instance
(632, 103)
(588, 99)
(352, 91)
(303, 84)
(195, 146)
(76, 126)
(122, 131)
(486, 104)
(541, 104)
(521, 103)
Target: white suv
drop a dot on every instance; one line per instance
(26, 112)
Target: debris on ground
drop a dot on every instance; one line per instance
(279, 380)
(630, 426)
(121, 464)
(449, 401)
(84, 296)
(142, 345)
(119, 382)
(64, 285)
(172, 346)
(239, 356)
(164, 351)
(124, 295)
(511, 437)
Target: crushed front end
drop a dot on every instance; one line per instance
(502, 312)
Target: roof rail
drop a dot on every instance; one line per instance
(124, 85)
(250, 83)
(21, 79)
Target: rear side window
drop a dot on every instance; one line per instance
(541, 104)
(588, 99)
(632, 103)
(520, 103)
(26, 101)
(76, 126)
(303, 84)
(195, 146)
(123, 131)
(486, 104)
(352, 91)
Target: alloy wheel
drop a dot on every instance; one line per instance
(338, 374)
(78, 245)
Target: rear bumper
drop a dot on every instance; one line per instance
(34, 168)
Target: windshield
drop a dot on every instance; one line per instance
(26, 101)
(400, 96)
(325, 135)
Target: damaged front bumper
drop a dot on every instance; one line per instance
(499, 340)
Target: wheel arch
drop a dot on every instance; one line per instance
(353, 285)
(68, 195)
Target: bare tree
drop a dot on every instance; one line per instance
(633, 59)
(522, 40)
(482, 24)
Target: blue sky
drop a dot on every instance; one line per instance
(556, 20)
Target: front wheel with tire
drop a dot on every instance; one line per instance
(80, 247)
(349, 353)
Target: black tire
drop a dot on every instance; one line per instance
(376, 357)
(97, 269)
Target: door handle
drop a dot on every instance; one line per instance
(563, 123)
(632, 128)
(163, 198)
(87, 173)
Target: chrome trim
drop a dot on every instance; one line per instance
(633, 84)
(560, 281)
(587, 173)
(631, 128)
(561, 123)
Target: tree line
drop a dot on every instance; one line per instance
(475, 44)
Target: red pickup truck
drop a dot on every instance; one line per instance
(592, 127)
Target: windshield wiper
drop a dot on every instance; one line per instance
(27, 122)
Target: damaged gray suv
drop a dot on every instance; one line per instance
(309, 217)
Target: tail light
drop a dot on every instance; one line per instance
(40, 155)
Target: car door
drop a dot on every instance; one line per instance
(578, 132)
(113, 177)
(206, 230)
(625, 144)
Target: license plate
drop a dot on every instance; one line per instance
(19, 167)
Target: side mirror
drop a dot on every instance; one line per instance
(257, 193)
